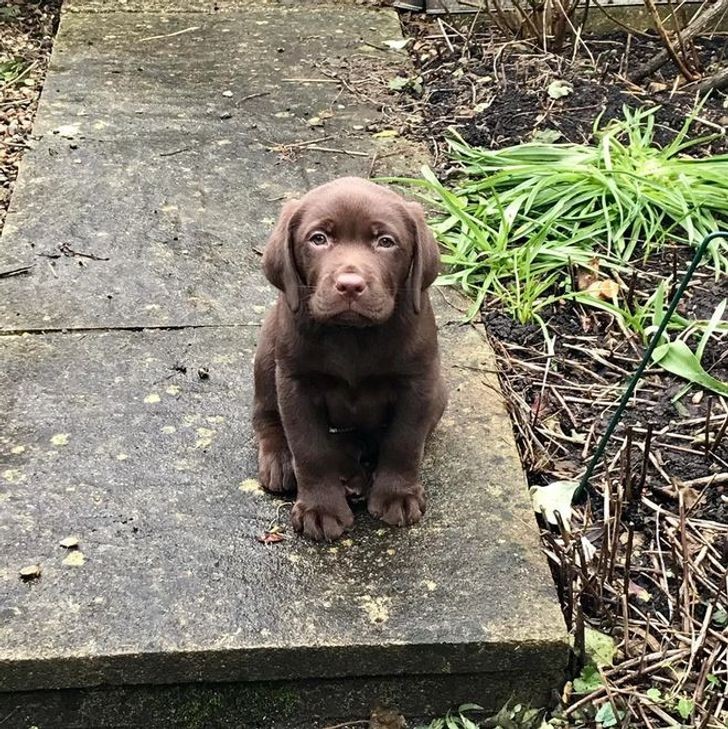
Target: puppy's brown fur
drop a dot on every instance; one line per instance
(347, 372)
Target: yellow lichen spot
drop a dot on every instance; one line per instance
(215, 419)
(173, 390)
(376, 608)
(333, 550)
(169, 429)
(60, 439)
(430, 585)
(121, 456)
(191, 419)
(13, 475)
(346, 542)
(182, 464)
(17, 450)
(250, 485)
(204, 437)
(75, 559)
(222, 359)
(293, 557)
(152, 398)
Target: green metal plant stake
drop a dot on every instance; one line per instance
(656, 337)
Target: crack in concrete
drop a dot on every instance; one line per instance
(103, 330)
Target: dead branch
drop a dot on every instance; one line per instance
(718, 81)
(668, 42)
(701, 22)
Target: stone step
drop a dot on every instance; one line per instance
(127, 390)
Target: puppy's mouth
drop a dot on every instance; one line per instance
(352, 314)
(351, 318)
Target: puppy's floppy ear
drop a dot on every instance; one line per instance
(279, 263)
(425, 256)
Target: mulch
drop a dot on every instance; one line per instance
(27, 29)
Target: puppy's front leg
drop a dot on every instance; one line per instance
(321, 510)
(397, 496)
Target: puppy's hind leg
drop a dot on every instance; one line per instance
(275, 464)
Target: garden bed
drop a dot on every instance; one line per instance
(27, 30)
(656, 512)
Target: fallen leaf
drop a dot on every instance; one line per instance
(397, 45)
(67, 131)
(271, 537)
(554, 497)
(540, 405)
(552, 424)
(385, 134)
(75, 559)
(315, 121)
(69, 542)
(398, 83)
(606, 289)
(546, 136)
(227, 93)
(639, 592)
(31, 572)
(585, 277)
(558, 89)
(599, 647)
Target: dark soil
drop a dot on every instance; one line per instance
(498, 95)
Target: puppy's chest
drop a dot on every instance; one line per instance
(367, 405)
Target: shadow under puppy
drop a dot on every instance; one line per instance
(347, 371)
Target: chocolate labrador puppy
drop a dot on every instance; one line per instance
(347, 371)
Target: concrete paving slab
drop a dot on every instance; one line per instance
(161, 187)
(150, 468)
(179, 613)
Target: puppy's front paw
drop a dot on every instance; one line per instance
(275, 467)
(322, 515)
(396, 501)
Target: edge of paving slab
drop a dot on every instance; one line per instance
(198, 6)
(264, 705)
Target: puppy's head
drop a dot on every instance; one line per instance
(351, 252)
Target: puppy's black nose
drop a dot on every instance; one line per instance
(351, 285)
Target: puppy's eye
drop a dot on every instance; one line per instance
(319, 239)
(385, 241)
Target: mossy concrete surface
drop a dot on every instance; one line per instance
(127, 389)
